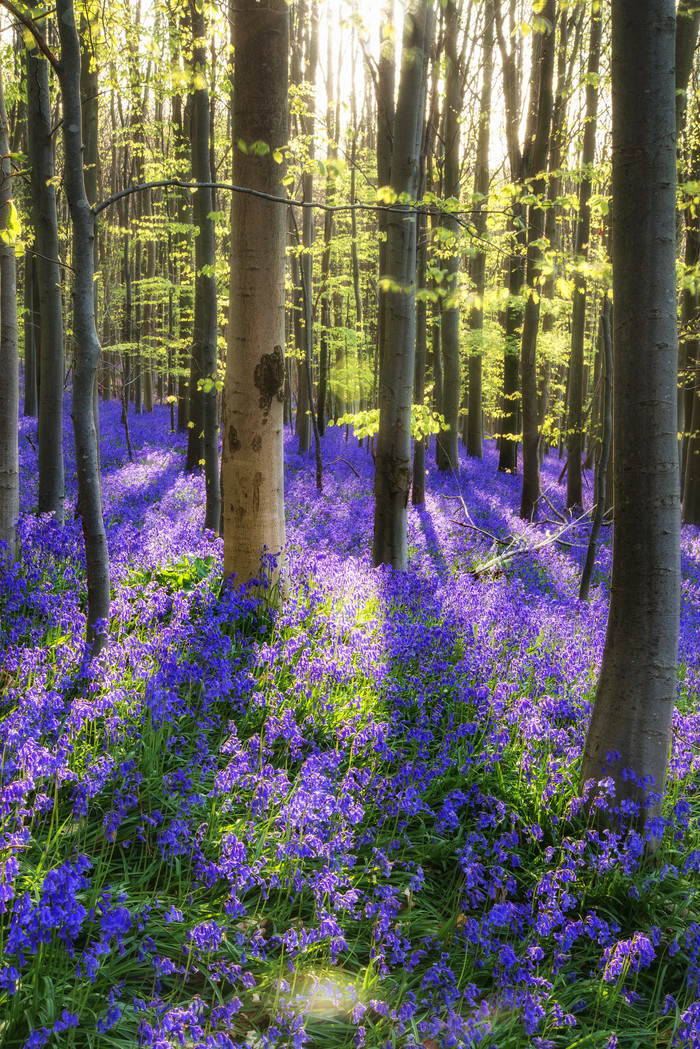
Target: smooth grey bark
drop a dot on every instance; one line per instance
(253, 481)
(304, 72)
(181, 119)
(386, 115)
(535, 158)
(392, 479)
(516, 230)
(477, 267)
(421, 351)
(40, 148)
(205, 330)
(448, 438)
(9, 357)
(87, 346)
(32, 329)
(601, 481)
(687, 27)
(630, 726)
(575, 428)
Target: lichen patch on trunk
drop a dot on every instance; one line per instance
(269, 378)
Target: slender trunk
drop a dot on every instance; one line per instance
(393, 457)
(87, 350)
(601, 480)
(9, 363)
(205, 305)
(478, 260)
(421, 341)
(574, 451)
(386, 115)
(40, 125)
(536, 160)
(448, 438)
(32, 335)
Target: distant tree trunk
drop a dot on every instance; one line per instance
(253, 451)
(536, 162)
(574, 451)
(87, 351)
(418, 486)
(9, 367)
(386, 115)
(181, 118)
(448, 438)
(393, 456)
(328, 226)
(32, 332)
(630, 726)
(40, 146)
(478, 259)
(601, 480)
(205, 316)
(687, 26)
(304, 71)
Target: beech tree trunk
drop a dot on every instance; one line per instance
(254, 393)
(477, 270)
(535, 159)
(40, 147)
(9, 367)
(205, 331)
(630, 726)
(392, 479)
(87, 346)
(32, 334)
(448, 438)
(386, 115)
(575, 428)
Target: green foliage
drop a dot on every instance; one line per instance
(424, 421)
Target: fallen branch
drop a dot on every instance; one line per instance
(341, 460)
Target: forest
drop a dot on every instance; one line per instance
(349, 524)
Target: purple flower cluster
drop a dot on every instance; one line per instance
(353, 822)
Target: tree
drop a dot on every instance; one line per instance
(9, 387)
(630, 726)
(536, 160)
(447, 441)
(205, 330)
(87, 346)
(48, 285)
(477, 268)
(574, 450)
(392, 479)
(254, 391)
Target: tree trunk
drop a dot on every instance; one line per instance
(9, 367)
(87, 346)
(574, 450)
(205, 318)
(421, 344)
(601, 480)
(535, 159)
(392, 479)
(386, 115)
(253, 450)
(40, 147)
(477, 270)
(32, 335)
(631, 723)
(448, 438)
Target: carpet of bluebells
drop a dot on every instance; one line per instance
(354, 822)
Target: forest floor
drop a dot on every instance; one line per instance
(353, 823)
